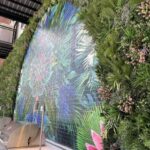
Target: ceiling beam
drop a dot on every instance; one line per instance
(14, 9)
(3, 56)
(14, 12)
(23, 5)
(14, 16)
(35, 1)
(4, 51)
(5, 44)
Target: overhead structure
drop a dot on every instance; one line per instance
(7, 38)
(19, 10)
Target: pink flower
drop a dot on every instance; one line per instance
(90, 147)
(142, 56)
(97, 139)
(102, 128)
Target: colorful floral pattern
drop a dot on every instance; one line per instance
(58, 70)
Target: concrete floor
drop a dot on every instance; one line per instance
(47, 147)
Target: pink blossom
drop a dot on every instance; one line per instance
(90, 147)
(102, 128)
(97, 139)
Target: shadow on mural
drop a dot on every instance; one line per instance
(58, 71)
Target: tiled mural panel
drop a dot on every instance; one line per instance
(58, 71)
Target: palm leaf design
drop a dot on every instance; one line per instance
(90, 120)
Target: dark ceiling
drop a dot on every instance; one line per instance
(19, 10)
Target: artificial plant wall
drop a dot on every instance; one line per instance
(121, 30)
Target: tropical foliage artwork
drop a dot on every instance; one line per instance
(58, 71)
(97, 139)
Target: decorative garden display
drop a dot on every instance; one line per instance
(120, 30)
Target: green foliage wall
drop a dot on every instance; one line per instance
(121, 30)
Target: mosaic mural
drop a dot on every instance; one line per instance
(58, 71)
